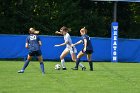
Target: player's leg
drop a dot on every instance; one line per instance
(73, 52)
(90, 61)
(63, 54)
(25, 64)
(73, 56)
(40, 59)
(78, 60)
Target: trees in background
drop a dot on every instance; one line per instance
(16, 16)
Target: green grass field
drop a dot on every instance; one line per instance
(107, 78)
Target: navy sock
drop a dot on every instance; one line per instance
(77, 62)
(25, 64)
(42, 66)
(91, 65)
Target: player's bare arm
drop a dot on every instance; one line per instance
(26, 45)
(80, 41)
(62, 44)
(57, 32)
(85, 44)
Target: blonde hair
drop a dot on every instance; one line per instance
(33, 31)
(84, 29)
(36, 32)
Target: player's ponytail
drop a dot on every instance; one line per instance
(36, 32)
(69, 29)
(33, 31)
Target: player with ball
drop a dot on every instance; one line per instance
(69, 49)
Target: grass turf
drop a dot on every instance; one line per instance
(107, 78)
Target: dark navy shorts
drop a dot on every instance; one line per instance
(35, 53)
(87, 51)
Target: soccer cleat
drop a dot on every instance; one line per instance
(64, 68)
(21, 71)
(74, 68)
(43, 73)
(83, 68)
(91, 69)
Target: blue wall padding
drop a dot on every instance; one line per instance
(13, 46)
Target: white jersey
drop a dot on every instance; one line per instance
(67, 38)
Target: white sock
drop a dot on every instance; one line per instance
(81, 65)
(63, 63)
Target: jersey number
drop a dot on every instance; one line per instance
(33, 37)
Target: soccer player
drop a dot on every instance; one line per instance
(33, 44)
(87, 49)
(69, 49)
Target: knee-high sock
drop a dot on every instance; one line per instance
(77, 62)
(81, 65)
(63, 63)
(25, 64)
(91, 65)
(42, 66)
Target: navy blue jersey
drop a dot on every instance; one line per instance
(33, 42)
(89, 44)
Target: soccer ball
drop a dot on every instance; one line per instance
(57, 67)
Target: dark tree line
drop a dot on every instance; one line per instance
(16, 16)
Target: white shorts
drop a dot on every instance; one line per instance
(71, 49)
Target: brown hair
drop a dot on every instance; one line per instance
(64, 28)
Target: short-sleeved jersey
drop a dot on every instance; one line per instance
(33, 42)
(67, 38)
(89, 44)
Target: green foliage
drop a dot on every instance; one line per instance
(16, 16)
(129, 20)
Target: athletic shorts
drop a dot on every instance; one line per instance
(87, 51)
(35, 53)
(71, 49)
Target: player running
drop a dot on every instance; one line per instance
(33, 44)
(69, 49)
(87, 49)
